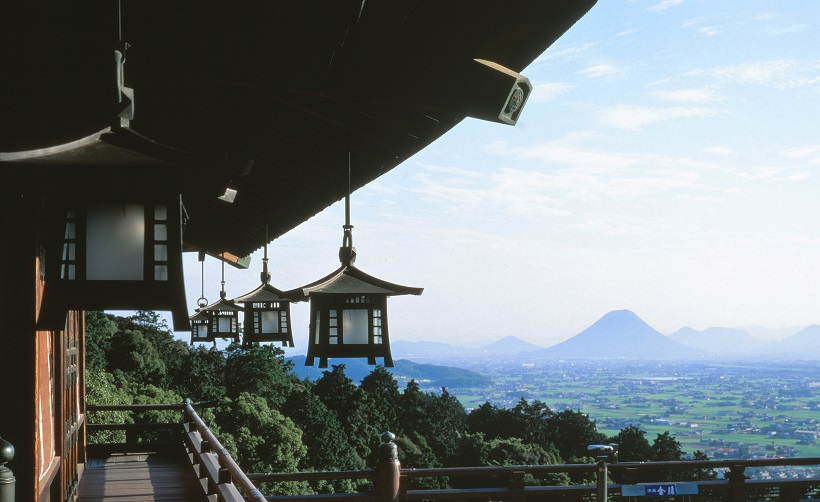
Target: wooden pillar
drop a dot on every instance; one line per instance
(18, 343)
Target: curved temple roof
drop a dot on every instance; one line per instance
(264, 97)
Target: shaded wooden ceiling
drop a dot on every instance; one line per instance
(268, 97)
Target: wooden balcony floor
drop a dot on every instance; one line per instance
(139, 477)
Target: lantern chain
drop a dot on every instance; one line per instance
(202, 301)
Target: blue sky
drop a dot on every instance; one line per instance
(668, 162)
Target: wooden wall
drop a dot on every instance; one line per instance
(42, 387)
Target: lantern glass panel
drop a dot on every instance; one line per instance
(333, 327)
(270, 321)
(223, 324)
(354, 326)
(160, 212)
(68, 272)
(115, 242)
(377, 326)
(202, 331)
(160, 272)
(161, 232)
(160, 252)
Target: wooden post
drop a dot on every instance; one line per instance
(517, 486)
(602, 481)
(7, 481)
(738, 482)
(387, 485)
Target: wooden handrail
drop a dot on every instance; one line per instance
(146, 407)
(225, 459)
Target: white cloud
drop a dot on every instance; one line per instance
(795, 28)
(635, 117)
(774, 174)
(602, 70)
(701, 95)
(565, 53)
(545, 92)
(709, 30)
(665, 4)
(801, 153)
(754, 72)
(720, 150)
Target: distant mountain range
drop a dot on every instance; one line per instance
(621, 334)
(429, 376)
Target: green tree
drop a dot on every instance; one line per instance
(328, 447)
(364, 426)
(415, 453)
(534, 421)
(476, 450)
(665, 448)
(573, 432)
(260, 437)
(699, 474)
(99, 330)
(489, 420)
(336, 390)
(101, 388)
(133, 355)
(445, 426)
(201, 375)
(260, 370)
(381, 386)
(633, 445)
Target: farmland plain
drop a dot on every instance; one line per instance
(726, 409)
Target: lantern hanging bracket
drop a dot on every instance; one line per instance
(202, 301)
(265, 275)
(347, 253)
(222, 294)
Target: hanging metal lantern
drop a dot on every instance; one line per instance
(114, 254)
(267, 312)
(201, 328)
(217, 320)
(348, 310)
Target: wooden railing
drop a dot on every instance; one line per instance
(221, 476)
(509, 482)
(214, 461)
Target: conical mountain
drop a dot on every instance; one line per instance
(620, 334)
(508, 346)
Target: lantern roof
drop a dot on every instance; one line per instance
(348, 279)
(200, 314)
(264, 293)
(221, 304)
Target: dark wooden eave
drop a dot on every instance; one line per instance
(268, 97)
